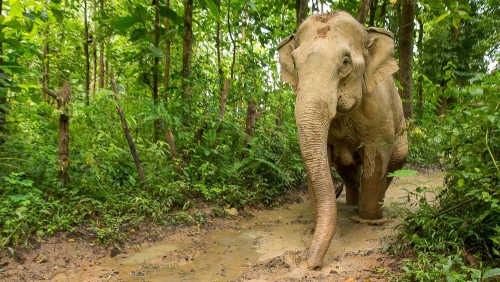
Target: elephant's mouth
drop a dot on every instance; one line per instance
(346, 104)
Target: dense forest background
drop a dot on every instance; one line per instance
(114, 112)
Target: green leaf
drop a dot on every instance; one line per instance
(464, 15)
(14, 25)
(142, 12)
(491, 273)
(250, 3)
(213, 9)
(18, 198)
(123, 23)
(29, 15)
(138, 34)
(156, 52)
(58, 14)
(442, 17)
(13, 42)
(171, 14)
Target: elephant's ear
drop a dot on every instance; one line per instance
(285, 49)
(380, 62)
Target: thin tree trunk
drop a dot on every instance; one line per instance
(156, 122)
(232, 38)
(126, 130)
(373, 10)
(250, 125)
(166, 75)
(243, 56)
(186, 54)
(222, 109)
(364, 6)
(383, 10)
(406, 56)
(3, 93)
(63, 101)
(223, 100)
(63, 155)
(300, 11)
(94, 50)
(101, 65)
(86, 51)
(46, 70)
(106, 72)
(169, 136)
(420, 82)
(217, 46)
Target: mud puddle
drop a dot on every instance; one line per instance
(272, 242)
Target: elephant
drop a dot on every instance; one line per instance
(349, 116)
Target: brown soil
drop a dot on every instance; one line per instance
(270, 246)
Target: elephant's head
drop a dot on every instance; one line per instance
(331, 63)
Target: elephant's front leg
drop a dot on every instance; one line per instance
(373, 186)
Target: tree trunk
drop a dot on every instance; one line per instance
(3, 93)
(63, 101)
(364, 6)
(156, 122)
(300, 11)
(86, 51)
(250, 125)
(373, 10)
(222, 109)
(383, 10)
(223, 100)
(443, 102)
(101, 51)
(166, 75)
(232, 38)
(186, 56)
(101, 65)
(420, 82)
(46, 70)
(126, 130)
(406, 56)
(63, 155)
(217, 46)
(166, 79)
(94, 51)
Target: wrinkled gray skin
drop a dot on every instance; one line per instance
(348, 115)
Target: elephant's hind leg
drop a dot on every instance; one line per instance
(351, 176)
(398, 156)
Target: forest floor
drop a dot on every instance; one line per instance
(270, 245)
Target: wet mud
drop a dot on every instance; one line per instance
(270, 246)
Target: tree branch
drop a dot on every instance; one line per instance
(50, 93)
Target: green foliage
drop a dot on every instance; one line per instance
(462, 222)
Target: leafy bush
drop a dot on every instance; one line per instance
(464, 220)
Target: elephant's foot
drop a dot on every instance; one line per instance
(314, 265)
(382, 221)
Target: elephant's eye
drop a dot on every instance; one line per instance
(346, 67)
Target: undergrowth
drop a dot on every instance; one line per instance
(456, 236)
(104, 193)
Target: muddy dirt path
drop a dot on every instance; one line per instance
(268, 247)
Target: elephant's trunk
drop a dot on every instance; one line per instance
(313, 114)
